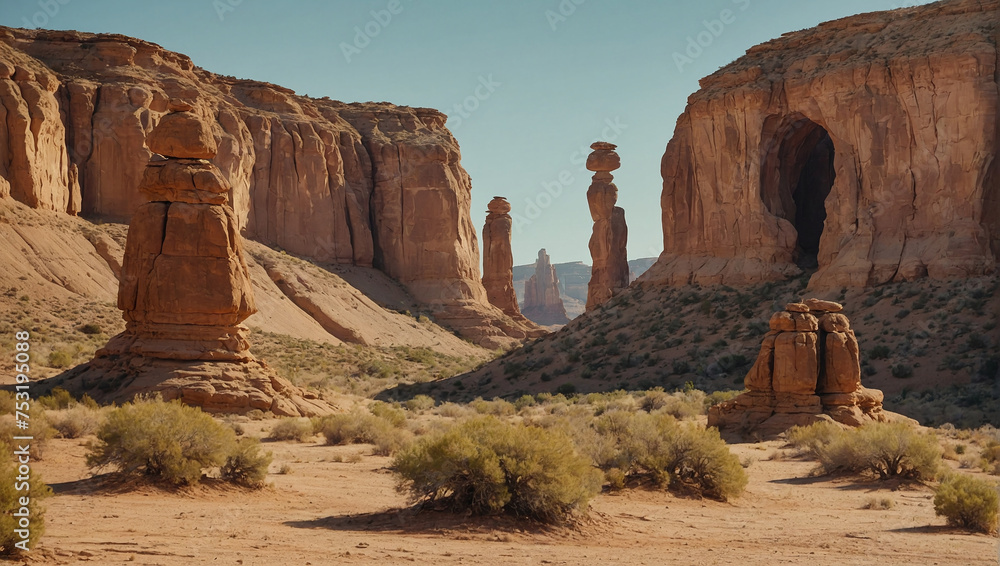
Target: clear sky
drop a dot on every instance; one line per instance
(528, 85)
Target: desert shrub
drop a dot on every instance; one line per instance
(76, 422)
(681, 456)
(361, 428)
(684, 404)
(967, 502)
(717, 397)
(394, 415)
(169, 442)
(451, 410)
(807, 439)
(886, 450)
(10, 503)
(524, 401)
(497, 407)
(486, 466)
(59, 359)
(654, 400)
(57, 399)
(299, 430)
(38, 429)
(245, 464)
(902, 371)
(91, 328)
(420, 403)
(566, 389)
(7, 403)
(879, 352)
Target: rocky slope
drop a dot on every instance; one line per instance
(367, 185)
(865, 145)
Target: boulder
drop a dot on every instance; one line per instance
(808, 370)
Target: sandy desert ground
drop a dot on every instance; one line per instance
(330, 510)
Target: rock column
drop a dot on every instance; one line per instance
(498, 260)
(185, 290)
(185, 287)
(610, 272)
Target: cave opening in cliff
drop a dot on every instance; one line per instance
(797, 175)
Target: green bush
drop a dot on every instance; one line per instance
(886, 450)
(361, 428)
(420, 403)
(808, 439)
(879, 352)
(169, 442)
(902, 371)
(246, 465)
(10, 504)
(383, 410)
(486, 466)
(681, 456)
(299, 430)
(968, 503)
(76, 422)
(57, 399)
(59, 359)
(91, 328)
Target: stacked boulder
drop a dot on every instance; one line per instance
(610, 271)
(808, 369)
(185, 290)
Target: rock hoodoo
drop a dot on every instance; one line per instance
(865, 146)
(610, 272)
(498, 259)
(185, 290)
(542, 303)
(808, 369)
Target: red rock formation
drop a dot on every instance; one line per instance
(498, 259)
(610, 272)
(185, 290)
(359, 184)
(808, 369)
(542, 303)
(867, 145)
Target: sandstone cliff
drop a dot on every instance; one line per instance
(865, 146)
(354, 184)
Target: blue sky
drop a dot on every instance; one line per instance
(527, 85)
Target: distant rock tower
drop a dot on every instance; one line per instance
(542, 303)
(610, 272)
(498, 260)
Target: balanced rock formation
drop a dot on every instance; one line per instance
(185, 290)
(866, 146)
(498, 260)
(364, 185)
(610, 272)
(808, 369)
(542, 303)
